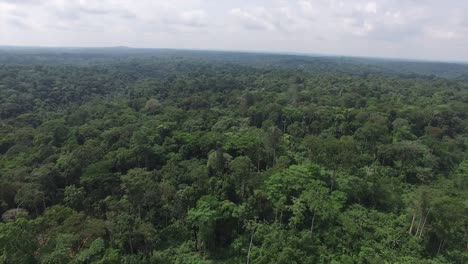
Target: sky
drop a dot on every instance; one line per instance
(417, 29)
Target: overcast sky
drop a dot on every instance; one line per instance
(422, 29)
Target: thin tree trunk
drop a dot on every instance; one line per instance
(419, 226)
(412, 224)
(441, 244)
(424, 223)
(250, 246)
(43, 201)
(258, 164)
(274, 156)
(242, 188)
(332, 183)
(17, 209)
(466, 248)
(131, 243)
(312, 224)
(195, 233)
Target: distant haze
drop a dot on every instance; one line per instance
(416, 29)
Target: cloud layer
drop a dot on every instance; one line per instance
(423, 29)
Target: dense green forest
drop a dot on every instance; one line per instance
(165, 156)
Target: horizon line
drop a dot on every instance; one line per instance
(252, 51)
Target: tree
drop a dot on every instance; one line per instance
(152, 106)
(74, 197)
(413, 160)
(210, 216)
(241, 170)
(18, 241)
(143, 156)
(31, 197)
(282, 187)
(141, 189)
(272, 142)
(218, 161)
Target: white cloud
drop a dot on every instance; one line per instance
(20, 2)
(441, 34)
(359, 27)
(253, 20)
(371, 7)
(195, 18)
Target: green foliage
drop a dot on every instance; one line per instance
(197, 157)
(18, 241)
(94, 251)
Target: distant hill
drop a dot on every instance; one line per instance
(311, 63)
